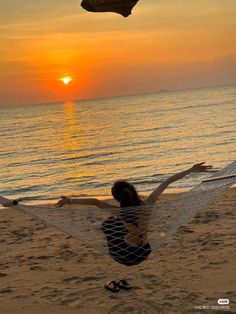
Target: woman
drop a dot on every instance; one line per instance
(127, 231)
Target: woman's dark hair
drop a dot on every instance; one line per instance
(126, 194)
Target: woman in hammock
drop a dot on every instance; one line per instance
(127, 231)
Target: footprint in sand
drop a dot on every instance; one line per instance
(50, 293)
(186, 230)
(72, 299)
(3, 275)
(76, 279)
(21, 235)
(218, 262)
(72, 280)
(36, 267)
(207, 217)
(135, 307)
(43, 257)
(208, 242)
(3, 266)
(5, 290)
(66, 254)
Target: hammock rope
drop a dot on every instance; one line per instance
(103, 229)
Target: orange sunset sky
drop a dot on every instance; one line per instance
(164, 44)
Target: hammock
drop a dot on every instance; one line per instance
(104, 229)
(123, 7)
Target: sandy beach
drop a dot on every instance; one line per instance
(43, 270)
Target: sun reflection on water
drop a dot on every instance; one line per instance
(72, 139)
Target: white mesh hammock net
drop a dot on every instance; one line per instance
(104, 229)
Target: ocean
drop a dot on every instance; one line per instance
(80, 148)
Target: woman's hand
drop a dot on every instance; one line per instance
(11, 203)
(63, 201)
(200, 167)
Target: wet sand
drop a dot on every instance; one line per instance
(43, 270)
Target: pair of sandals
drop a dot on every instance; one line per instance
(115, 286)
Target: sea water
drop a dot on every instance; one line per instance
(80, 148)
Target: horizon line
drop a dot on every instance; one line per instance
(161, 91)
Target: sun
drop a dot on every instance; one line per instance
(66, 79)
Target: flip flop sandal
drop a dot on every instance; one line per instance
(112, 286)
(123, 284)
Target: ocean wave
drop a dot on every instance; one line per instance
(50, 150)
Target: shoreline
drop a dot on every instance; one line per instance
(168, 191)
(103, 197)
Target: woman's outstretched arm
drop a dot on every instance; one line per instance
(151, 199)
(83, 201)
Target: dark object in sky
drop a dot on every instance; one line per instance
(123, 7)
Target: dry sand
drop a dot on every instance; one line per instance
(45, 271)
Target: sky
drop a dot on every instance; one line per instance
(163, 45)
